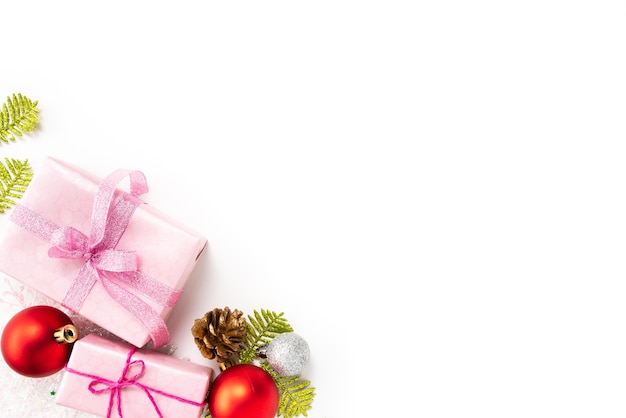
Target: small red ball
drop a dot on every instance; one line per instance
(29, 345)
(243, 391)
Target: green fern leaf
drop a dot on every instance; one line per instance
(295, 395)
(15, 176)
(260, 329)
(18, 115)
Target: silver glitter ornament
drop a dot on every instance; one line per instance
(288, 354)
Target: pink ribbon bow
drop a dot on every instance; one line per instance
(100, 385)
(103, 263)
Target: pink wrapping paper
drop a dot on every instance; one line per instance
(105, 361)
(167, 250)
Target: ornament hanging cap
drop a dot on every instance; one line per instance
(67, 334)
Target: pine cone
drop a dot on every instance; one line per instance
(220, 334)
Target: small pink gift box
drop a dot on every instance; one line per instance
(99, 250)
(113, 379)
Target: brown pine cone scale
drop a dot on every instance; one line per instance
(220, 334)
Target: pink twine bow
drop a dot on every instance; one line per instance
(100, 385)
(110, 216)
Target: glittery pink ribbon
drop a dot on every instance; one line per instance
(110, 216)
(100, 385)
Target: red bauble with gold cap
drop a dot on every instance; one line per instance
(243, 391)
(37, 341)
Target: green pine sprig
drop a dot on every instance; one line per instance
(15, 175)
(18, 115)
(295, 395)
(260, 330)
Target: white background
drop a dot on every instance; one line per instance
(433, 192)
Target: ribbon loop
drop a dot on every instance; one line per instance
(68, 242)
(104, 199)
(140, 370)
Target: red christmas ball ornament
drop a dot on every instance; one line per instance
(37, 341)
(243, 391)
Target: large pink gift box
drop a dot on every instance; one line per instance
(128, 283)
(105, 377)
